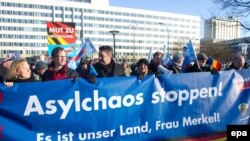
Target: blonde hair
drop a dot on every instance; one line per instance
(12, 72)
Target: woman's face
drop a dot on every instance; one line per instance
(124, 65)
(143, 68)
(24, 72)
(84, 66)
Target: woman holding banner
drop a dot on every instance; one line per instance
(19, 72)
(142, 69)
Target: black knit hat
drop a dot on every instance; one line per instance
(142, 61)
(202, 56)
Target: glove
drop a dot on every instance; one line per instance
(214, 71)
(74, 79)
(91, 79)
(157, 74)
(140, 76)
(198, 70)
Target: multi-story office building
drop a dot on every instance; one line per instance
(23, 27)
(219, 29)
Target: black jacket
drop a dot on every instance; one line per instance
(175, 68)
(110, 70)
(195, 68)
(233, 67)
(31, 79)
(3, 72)
(153, 67)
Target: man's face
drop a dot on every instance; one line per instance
(238, 62)
(202, 62)
(42, 70)
(105, 57)
(158, 59)
(60, 59)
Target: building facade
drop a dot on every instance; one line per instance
(221, 29)
(23, 27)
(240, 45)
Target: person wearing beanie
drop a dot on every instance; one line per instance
(83, 69)
(5, 66)
(176, 63)
(41, 67)
(142, 68)
(201, 66)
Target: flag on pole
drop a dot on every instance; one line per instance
(14, 55)
(167, 61)
(86, 49)
(164, 70)
(214, 64)
(92, 70)
(189, 56)
(73, 64)
(150, 55)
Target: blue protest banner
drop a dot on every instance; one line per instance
(125, 108)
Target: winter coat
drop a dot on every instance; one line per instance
(195, 68)
(110, 70)
(64, 73)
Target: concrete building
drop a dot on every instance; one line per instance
(219, 29)
(23, 27)
(241, 45)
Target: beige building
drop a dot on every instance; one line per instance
(219, 29)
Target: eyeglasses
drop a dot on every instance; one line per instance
(61, 56)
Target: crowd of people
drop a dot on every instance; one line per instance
(19, 71)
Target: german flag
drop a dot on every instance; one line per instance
(214, 64)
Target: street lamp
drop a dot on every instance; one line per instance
(134, 26)
(114, 32)
(168, 36)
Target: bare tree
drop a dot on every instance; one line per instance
(237, 8)
(220, 51)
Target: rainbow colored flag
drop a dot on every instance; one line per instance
(214, 64)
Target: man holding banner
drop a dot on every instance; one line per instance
(200, 65)
(58, 68)
(237, 63)
(156, 61)
(106, 67)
